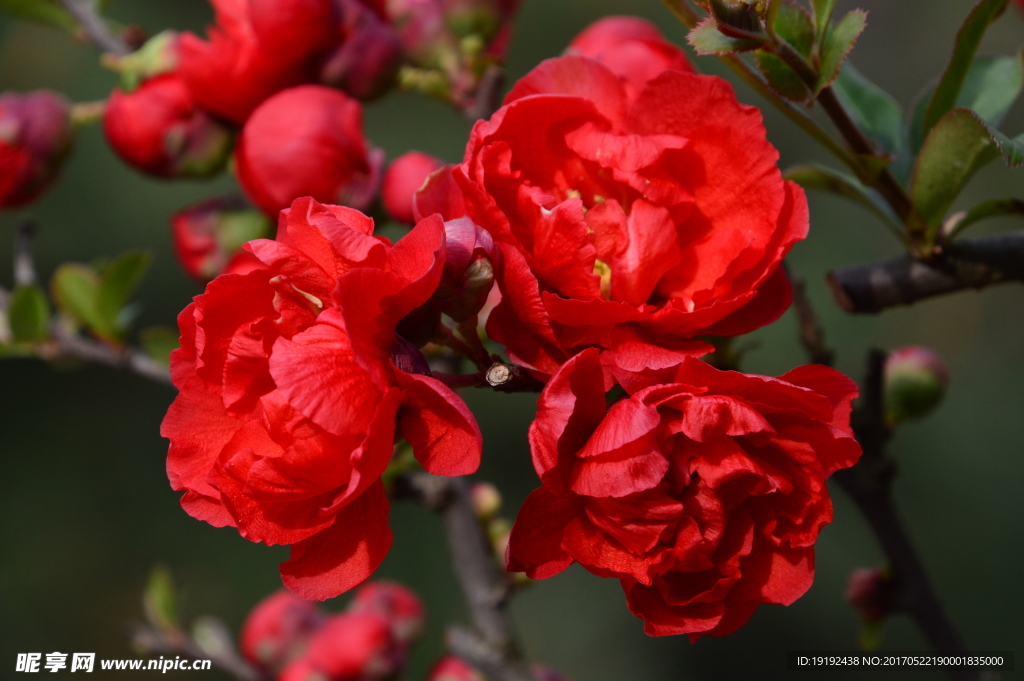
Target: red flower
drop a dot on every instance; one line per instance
(367, 61)
(160, 130)
(397, 604)
(256, 48)
(307, 141)
(35, 138)
(208, 236)
(702, 490)
(278, 630)
(403, 178)
(633, 48)
(451, 668)
(348, 647)
(289, 395)
(626, 223)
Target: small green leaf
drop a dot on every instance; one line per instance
(958, 146)
(985, 210)
(838, 42)
(40, 11)
(73, 288)
(967, 40)
(159, 342)
(872, 108)
(116, 284)
(819, 178)
(781, 78)
(160, 601)
(823, 14)
(992, 86)
(707, 39)
(29, 314)
(794, 24)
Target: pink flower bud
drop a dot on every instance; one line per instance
(210, 234)
(160, 130)
(451, 668)
(402, 180)
(915, 383)
(307, 141)
(866, 592)
(35, 138)
(486, 500)
(355, 647)
(278, 630)
(397, 604)
(366, 63)
(468, 273)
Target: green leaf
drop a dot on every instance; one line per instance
(40, 11)
(967, 40)
(707, 39)
(781, 78)
(992, 86)
(73, 288)
(159, 342)
(820, 178)
(29, 314)
(794, 24)
(823, 14)
(988, 209)
(838, 42)
(116, 284)
(874, 110)
(958, 146)
(160, 600)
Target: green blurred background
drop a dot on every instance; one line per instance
(86, 511)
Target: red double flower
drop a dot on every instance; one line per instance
(702, 490)
(628, 222)
(292, 381)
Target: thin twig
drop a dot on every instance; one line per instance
(812, 335)
(24, 267)
(95, 27)
(65, 345)
(151, 640)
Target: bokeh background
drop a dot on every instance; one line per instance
(86, 511)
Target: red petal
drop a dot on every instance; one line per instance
(575, 76)
(535, 545)
(440, 427)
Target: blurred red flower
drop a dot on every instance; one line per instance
(278, 630)
(35, 138)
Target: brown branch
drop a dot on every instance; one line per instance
(69, 345)
(812, 335)
(95, 27)
(510, 378)
(492, 646)
(24, 266)
(977, 262)
(151, 639)
(869, 485)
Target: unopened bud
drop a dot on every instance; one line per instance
(397, 604)
(499, 531)
(451, 668)
(209, 235)
(355, 646)
(866, 592)
(465, 18)
(542, 673)
(35, 138)
(486, 500)
(278, 630)
(915, 383)
(402, 180)
(468, 274)
(367, 62)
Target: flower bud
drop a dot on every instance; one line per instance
(366, 63)
(486, 500)
(307, 141)
(542, 673)
(402, 180)
(278, 630)
(499, 530)
(915, 383)
(35, 138)
(468, 273)
(355, 646)
(866, 592)
(397, 604)
(451, 668)
(208, 235)
(160, 130)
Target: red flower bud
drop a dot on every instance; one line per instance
(397, 604)
(35, 138)
(403, 179)
(209, 235)
(632, 48)
(307, 141)
(160, 130)
(451, 668)
(278, 630)
(866, 592)
(468, 270)
(354, 647)
(370, 55)
(915, 383)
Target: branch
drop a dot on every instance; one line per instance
(67, 345)
(95, 27)
(509, 378)
(812, 335)
(24, 267)
(869, 485)
(977, 262)
(492, 647)
(151, 639)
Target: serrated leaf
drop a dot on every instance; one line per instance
(160, 601)
(159, 342)
(707, 39)
(985, 210)
(968, 38)
(958, 146)
(837, 44)
(28, 314)
(781, 78)
(40, 11)
(73, 288)
(873, 109)
(794, 24)
(820, 178)
(992, 86)
(822, 14)
(116, 284)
